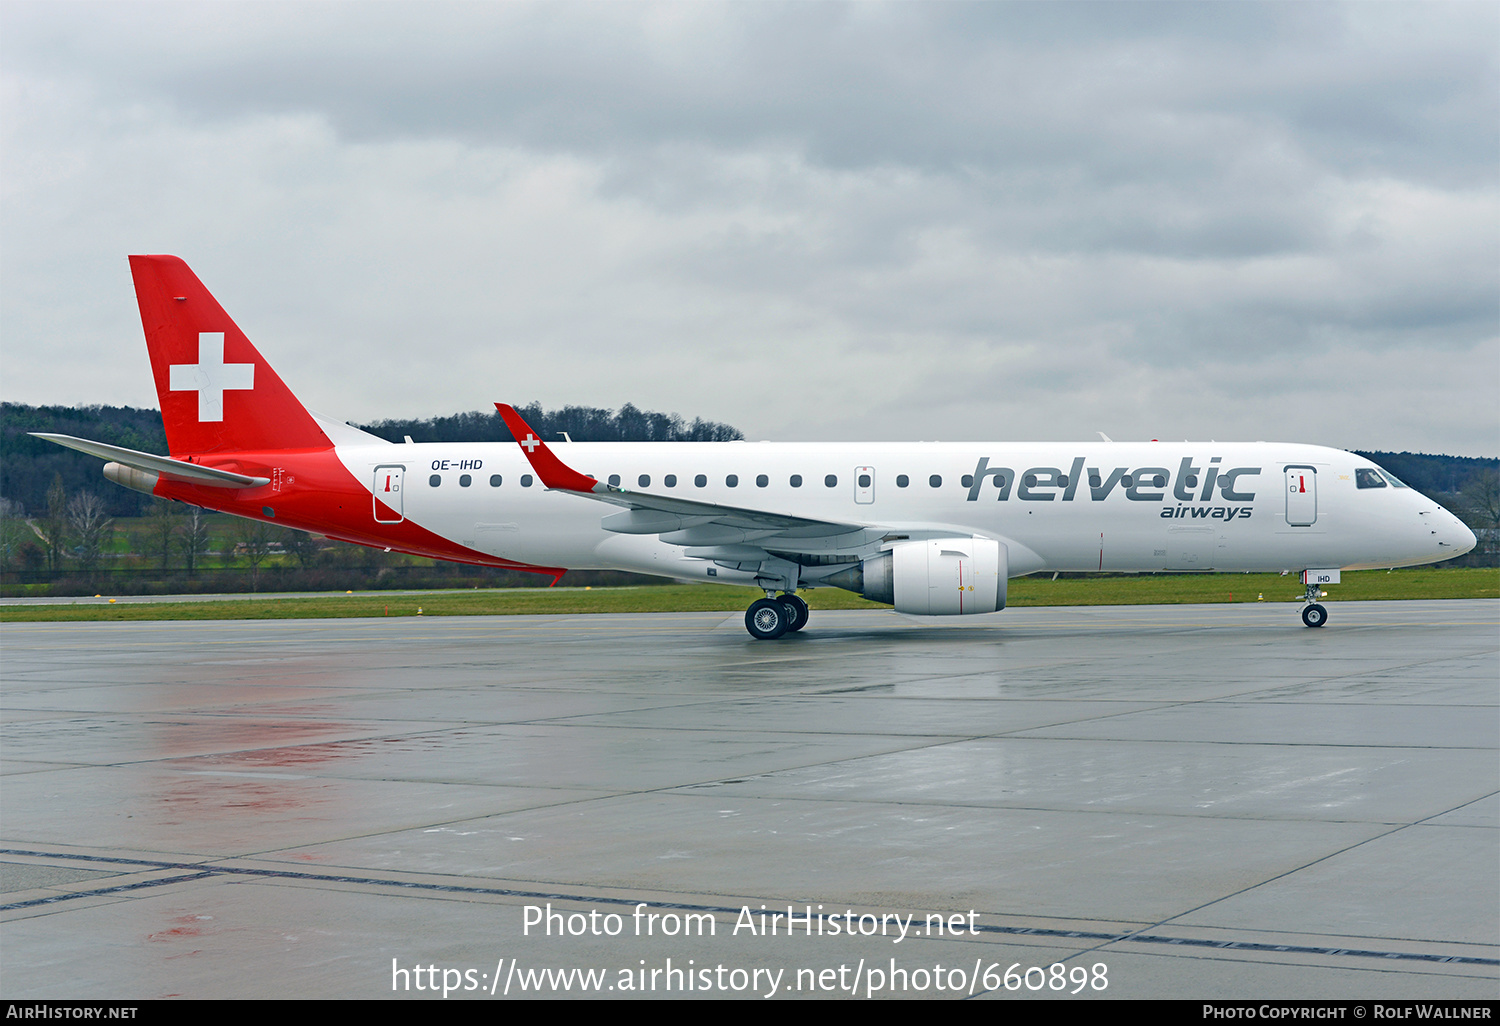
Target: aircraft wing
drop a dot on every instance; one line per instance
(679, 521)
(192, 473)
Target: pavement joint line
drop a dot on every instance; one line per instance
(200, 871)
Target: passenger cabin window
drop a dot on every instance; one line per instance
(936, 480)
(614, 479)
(464, 480)
(864, 480)
(670, 480)
(733, 480)
(831, 481)
(796, 481)
(966, 480)
(494, 480)
(701, 480)
(435, 480)
(1365, 477)
(644, 480)
(902, 480)
(761, 480)
(525, 480)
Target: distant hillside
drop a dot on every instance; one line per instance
(28, 465)
(582, 423)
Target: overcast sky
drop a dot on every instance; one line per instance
(812, 221)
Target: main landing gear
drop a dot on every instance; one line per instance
(1313, 614)
(770, 618)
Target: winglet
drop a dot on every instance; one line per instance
(553, 471)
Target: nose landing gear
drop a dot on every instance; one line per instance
(1313, 613)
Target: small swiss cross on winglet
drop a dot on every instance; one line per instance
(553, 471)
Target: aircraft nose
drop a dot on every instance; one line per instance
(1464, 538)
(1454, 536)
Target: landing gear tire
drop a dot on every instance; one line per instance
(767, 619)
(797, 610)
(1314, 615)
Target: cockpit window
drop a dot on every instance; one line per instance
(1368, 477)
(1393, 479)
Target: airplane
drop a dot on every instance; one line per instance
(934, 529)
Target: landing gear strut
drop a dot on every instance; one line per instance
(770, 618)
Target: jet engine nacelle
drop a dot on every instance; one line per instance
(938, 577)
(130, 477)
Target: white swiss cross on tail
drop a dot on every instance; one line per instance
(531, 442)
(211, 377)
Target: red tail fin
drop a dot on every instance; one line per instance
(217, 392)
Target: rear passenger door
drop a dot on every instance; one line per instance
(389, 487)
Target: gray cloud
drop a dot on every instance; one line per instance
(832, 220)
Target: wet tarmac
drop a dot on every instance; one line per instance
(1166, 801)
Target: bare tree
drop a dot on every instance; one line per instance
(255, 538)
(163, 531)
(53, 525)
(1480, 499)
(194, 534)
(13, 533)
(1480, 509)
(301, 545)
(92, 529)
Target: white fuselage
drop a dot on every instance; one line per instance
(1138, 507)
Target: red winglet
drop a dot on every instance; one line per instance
(553, 471)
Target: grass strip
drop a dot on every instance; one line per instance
(1144, 589)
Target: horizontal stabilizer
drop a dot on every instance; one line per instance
(165, 465)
